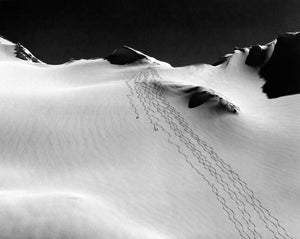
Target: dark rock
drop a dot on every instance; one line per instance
(23, 54)
(282, 71)
(199, 98)
(256, 57)
(124, 55)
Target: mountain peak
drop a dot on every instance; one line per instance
(277, 62)
(24, 54)
(126, 55)
(11, 51)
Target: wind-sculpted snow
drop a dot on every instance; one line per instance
(91, 149)
(234, 195)
(200, 95)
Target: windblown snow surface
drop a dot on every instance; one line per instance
(92, 149)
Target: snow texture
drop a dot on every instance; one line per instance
(91, 149)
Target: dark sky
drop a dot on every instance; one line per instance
(179, 32)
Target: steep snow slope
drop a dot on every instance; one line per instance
(90, 149)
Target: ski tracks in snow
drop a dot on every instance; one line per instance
(250, 218)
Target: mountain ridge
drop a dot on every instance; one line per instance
(277, 62)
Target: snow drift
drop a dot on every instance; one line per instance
(131, 147)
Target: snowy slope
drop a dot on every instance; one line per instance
(91, 149)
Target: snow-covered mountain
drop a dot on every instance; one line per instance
(10, 51)
(130, 147)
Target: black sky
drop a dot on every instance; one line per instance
(179, 32)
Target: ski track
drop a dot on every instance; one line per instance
(239, 202)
